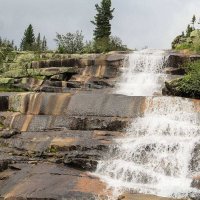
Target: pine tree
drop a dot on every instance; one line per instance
(44, 44)
(28, 41)
(102, 20)
(38, 43)
(189, 30)
(193, 20)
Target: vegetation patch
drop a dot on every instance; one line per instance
(52, 149)
(188, 40)
(11, 89)
(6, 81)
(189, 85)
(21, 73)
(1, 125)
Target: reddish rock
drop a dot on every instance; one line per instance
(49, 181)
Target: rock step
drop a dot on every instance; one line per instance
(177, 60)
(80, 104)
(47, 122)
(114, 59)
(80, 149)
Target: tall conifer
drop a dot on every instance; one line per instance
(102, 20)
(38, 42)
(28, 41)
(44, 44)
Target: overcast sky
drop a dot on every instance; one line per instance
(139, 23)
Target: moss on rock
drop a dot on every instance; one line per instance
(21, 73)
(11, 89)
(6, 81)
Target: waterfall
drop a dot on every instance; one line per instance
(142, 73)
(156, 155)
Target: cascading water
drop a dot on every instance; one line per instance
(142, 74)
(156, 155)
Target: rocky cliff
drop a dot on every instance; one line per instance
(53, 136)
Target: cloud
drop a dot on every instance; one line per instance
(139, 23)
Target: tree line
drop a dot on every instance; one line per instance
(71, 43)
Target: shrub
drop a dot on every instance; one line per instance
(89, 47)
(6, 48)
(73, 43)
(104, 45)
(116, 44)
(189, 85)
(70, 42)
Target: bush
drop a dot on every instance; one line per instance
(70, 42)
(89, 47)
(183, 46)
(189, 85)
(104, 45)
(6, 48)
(116, 44)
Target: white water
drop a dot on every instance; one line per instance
(142, 73)
(155, 154)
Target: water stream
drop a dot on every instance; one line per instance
(143, 73)
(155, 155)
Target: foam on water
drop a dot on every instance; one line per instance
(155, 155)
(142, 73)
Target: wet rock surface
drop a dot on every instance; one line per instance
(141, 197)
(196, 182)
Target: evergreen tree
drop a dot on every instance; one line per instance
(44, 44)
(28, 41)
(189, 30)
(193, 20)
(102, 20)
(38, 42)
